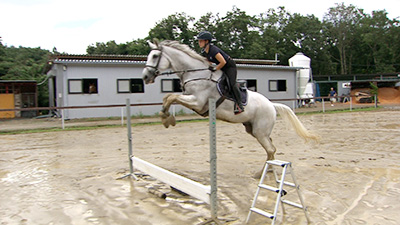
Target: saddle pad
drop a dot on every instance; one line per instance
(224, 90)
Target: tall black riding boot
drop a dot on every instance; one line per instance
(236, 94)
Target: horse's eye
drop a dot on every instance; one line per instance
(155, 56)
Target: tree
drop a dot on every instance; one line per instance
(174, 27)
(138, 47)
(207, 22)
(305, 34)
(111, 47)
(237, 32)
(376, 35)
(347, 41)
(271, 26)
(393, 39)
(341, 23)
(25, 64)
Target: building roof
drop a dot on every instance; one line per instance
(99, 59)
(141, 59)
(358, 77)
(256, 61)
(274, 67)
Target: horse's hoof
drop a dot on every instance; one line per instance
(257, 175)
(165, 122)
(271, 157)
(164, 114)
(171, 120)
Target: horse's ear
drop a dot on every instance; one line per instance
(156, 41)
(152, 46)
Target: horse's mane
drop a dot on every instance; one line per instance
(184, 48)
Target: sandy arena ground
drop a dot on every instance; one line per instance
(70, 177)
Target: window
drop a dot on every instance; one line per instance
(137, 86)
(6, 89)
(123, 86)
(251, 85)
(130, 86)
(171, 85)
(75, 86)
(277, 85)
(82, 86)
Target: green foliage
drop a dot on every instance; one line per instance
(135, 47)
(174, 27)
(25, 64)
(374, 90)
(347, 41)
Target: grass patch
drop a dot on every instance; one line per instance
(100, 126)
(93, 127)
(366, 109)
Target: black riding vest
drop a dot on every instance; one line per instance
(213, 51)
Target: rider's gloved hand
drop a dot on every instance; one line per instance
(212, 69)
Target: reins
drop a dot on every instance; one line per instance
(181, 71)
(157, 73)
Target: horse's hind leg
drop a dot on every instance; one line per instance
(262, 135)
(266, 142)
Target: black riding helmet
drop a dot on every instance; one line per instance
(204, 35)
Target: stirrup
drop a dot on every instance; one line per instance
(237, 109)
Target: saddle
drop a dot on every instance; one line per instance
(224, 90)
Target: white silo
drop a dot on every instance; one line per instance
(303, 75)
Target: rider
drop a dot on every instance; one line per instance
(224, 62)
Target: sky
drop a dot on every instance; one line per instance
(71, 26)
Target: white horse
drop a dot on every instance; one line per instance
(199, 84)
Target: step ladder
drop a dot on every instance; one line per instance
(286, 167)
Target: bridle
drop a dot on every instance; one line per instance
(157, 73)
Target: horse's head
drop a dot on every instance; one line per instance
(155, 63)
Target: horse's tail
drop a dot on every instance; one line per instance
(289, 116)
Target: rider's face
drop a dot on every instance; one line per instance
(202, 43)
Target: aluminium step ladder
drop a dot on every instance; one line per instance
(280, 190)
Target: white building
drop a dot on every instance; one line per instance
(80, 80)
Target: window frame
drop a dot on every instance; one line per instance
(83, 85)
(278, 85)
(118, 86)
(255, 85)
(175, 88)
(131, 85)
(69, 86)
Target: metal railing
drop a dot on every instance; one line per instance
(297, 105)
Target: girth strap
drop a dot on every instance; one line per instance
(219, 102)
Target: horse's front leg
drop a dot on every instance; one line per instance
(188, 101)
(166, 118)
(165, 107)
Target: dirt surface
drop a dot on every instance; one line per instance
(386, 95)
(70, 177)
